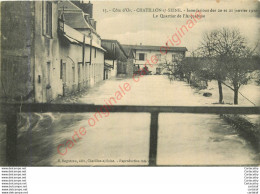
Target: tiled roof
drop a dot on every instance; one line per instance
(154, 48)
(128, 50)
(75, 36)
(74, 16)
(68, 6)
(76, 20)
(109, 49)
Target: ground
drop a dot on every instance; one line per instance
(123, 139)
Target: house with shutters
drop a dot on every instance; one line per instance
(48, 49)
(81, 54)
(143, 52)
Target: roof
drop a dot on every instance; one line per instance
(75, 36)
(155, 48)
(86, 7)
(74, 16)
(108, 66)
(128, 50)
(109, 54)
(76, 20)
(115, 41)
(68, 6)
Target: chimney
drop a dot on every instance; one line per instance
(86, 7)
(140, 44)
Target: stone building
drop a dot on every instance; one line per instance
(43, 57)
(82, 57)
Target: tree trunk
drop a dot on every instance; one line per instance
(189, 78)
(220, 92)
(235, 96)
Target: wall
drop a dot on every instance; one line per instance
(98, 65)
(17, 50)
(130, 67)
(46, 51)
(31, 66)
(95, 38)
(107, 74)
(164, 58)
(70, 56)
(83, 75)
(95, 70)
(113, 71)
(120, 59)
(68, 73)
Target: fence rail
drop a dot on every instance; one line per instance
(11, 110)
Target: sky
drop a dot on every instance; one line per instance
(140, 27)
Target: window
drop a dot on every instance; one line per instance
(48, 19)
(174, 57)
(141, 56)
(95, 53)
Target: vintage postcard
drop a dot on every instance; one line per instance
(130, 83)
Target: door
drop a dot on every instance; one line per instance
(79, 76)
(48, 83)
(64, 78)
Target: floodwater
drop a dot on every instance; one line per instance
(123, 138)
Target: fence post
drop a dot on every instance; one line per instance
(153, 138)
(11, 138)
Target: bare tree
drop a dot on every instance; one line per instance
(210, 50)
(173, 66)
(230, 58)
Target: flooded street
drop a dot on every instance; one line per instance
(123, 138)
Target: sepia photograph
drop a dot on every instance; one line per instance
(130, 83)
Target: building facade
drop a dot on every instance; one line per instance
(82, 57)
(115, 56)
(142, 53)
(43, 57)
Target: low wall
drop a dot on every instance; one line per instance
(248, 130)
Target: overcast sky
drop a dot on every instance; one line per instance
(136, 28)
